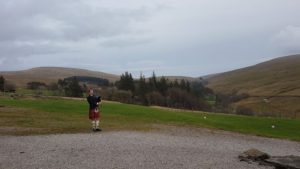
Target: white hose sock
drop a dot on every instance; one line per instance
(94, 124)
(97, 124)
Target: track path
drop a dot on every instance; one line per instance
(174, 149)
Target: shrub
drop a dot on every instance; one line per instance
(2, 82)
(179, 98)
(36, 85)
(122, 96)
(73, 89)
(155, 98)
(224, 100)
(9, 87)
(241, 110)
(107, 93)
(53, 86)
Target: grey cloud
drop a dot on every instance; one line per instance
(19, 49)
(186, 37)
(35, 27)
(124, 41)
(288, 39)
(64, 20)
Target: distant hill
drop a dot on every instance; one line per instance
(179, 78)
(277, 77)
(277, 80)
(51, 74)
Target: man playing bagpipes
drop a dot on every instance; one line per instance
(94, 113)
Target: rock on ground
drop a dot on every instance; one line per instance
(290, 162)
(253, 155)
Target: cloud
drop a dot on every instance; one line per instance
(186, 37)
(288, 39)
(34, 27)
(125, 41)
(67, 20)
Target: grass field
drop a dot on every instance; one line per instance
(25, 116)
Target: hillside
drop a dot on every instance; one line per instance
(51, 74)
(277, 77)
(277, 80)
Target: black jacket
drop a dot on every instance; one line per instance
(93, 100)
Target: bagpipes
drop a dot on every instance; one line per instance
(98, 99)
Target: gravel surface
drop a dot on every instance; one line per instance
(182, 148)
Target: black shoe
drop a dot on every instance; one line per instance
(94, 130)
(98, 129)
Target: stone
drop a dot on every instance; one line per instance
(284, 162)
(253, 155)
(279, 162)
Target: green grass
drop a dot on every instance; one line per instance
(42, 92)
(43, 116)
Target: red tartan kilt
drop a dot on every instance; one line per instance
(94, 114)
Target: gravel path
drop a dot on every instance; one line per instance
(174, 149)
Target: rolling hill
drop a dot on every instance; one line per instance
(277, 80)
(273, 86)
(51, 74)
(277, 77)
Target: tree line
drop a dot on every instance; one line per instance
(162, 92)
(144, 91)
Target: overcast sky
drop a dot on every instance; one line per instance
(170, 37)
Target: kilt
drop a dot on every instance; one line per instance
(94, 114)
